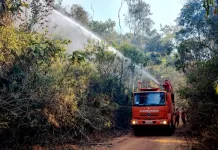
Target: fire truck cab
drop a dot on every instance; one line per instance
(152, 107)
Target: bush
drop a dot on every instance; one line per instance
(203, 102)
(47, 95)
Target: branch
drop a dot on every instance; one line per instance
(92, 12)
(87, 121)
(9, 111)
(2, 24)
(85, 135)
(107, 144)
(122, 1)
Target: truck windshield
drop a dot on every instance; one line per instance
(149, 99)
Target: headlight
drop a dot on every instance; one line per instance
(163, 122)
(134, 122)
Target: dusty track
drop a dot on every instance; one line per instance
(155, 140)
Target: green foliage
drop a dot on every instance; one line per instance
(160, 44)
(79, 14)
(207, 4)
(110, 81)
(166, 70)
(138, 17)
(136, 56)
(47, 95)
(203, 102)
(196, 36)
(12, 6)
(45, 89)
(40, 12)
(192, 50)
(145, 39)
(197, 55)
(206, 73)
(104, 29)
(58, 4)
(76, 12)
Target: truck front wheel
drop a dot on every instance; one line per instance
(135, 131)
(171, 129)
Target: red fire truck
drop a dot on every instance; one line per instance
(153, 107)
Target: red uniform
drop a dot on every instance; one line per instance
(183, 117)
(177, 117)
(167, 86)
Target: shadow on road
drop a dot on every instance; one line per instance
(152, 132)
(160, 131)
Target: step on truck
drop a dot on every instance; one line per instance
(153, 107)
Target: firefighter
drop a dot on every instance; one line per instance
(167, 85)
(183, 116)
(177, 116)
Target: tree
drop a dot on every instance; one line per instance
(58, 5)
(207, 5)
(138, 17)
(132, 52)
(197, 55)
(160, 44)
(193, 22)
(46, 92)
(39, 14)
(79, 14)
(104, 29)
(10, 8)
(197, 39)
(192, 18)
(110, 81)
(201, 96)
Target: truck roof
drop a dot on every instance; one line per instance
(149, 91)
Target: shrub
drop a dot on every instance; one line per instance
(203, 102)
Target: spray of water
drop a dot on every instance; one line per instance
(70, 29)
(150, 77)
(145, 73)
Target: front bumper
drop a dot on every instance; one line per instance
(157, 122)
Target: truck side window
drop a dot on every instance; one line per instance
(136, 99)
(162, 100)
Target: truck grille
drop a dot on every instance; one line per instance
(148, 114)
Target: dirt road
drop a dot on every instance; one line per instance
(157, 141)
(151, 140)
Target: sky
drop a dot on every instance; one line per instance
(163, 11)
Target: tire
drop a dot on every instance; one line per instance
(136, 131)
(171, 129)
(173, 125)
